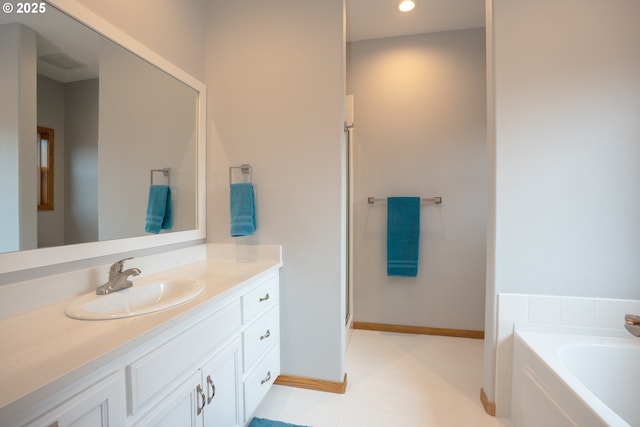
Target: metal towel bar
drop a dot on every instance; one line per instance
(436, 200)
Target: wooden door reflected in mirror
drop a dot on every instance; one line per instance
(45, 169)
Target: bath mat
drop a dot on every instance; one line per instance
(263, 422)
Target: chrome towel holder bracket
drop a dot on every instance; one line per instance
(435, 200)
(245, 169)
(165, 171)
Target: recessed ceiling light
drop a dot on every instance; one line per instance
(406, 5)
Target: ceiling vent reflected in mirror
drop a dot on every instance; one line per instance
(63, 61)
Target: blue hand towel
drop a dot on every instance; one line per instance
(403, 236)
(243, 212)
(263, 422)
(159, 212)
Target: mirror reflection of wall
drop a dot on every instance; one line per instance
(18, 125)
(72, 109)
(115, 117)
(146, 122)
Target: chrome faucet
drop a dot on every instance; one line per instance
(118, 279)
(632, 324)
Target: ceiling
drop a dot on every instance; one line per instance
(366, 19)
(374, 19)
(61, 35)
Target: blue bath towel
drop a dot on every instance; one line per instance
(159, 212)
(243, 211)
(263, 422)
(403, 236)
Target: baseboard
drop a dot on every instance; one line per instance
(313, 384)
(489, 407)
(349, 323)
(422, 330)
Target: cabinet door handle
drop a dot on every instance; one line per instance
(202, 397)
(264, 298)
(211, 389)
(266, 379)
(266, 335)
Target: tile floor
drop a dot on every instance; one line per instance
(395, 380)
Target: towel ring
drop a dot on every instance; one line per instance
(246, 173)
(165, 171)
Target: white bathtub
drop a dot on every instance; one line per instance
(590, 378)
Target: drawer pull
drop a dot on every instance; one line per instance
(211, 389)
(266, 335)
(264, 298)
(266, 379)
(202, 397)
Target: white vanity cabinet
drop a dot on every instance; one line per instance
(224, 390)
(151, 378)
(208, 397)
(207, 359)
(211, 366)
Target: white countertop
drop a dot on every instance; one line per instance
(42, 346)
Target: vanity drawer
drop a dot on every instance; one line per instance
(149, 376)
(260, 336)
(258, 383)
(260, 299)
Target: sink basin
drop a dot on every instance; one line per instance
(134, 301)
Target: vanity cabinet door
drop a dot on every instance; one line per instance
(179, 408)
(100, 405)
(209, 396)
(221, 387)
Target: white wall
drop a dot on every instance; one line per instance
(274, 72)
(18, 109)
(567, 102)
(51, 114)
(420, 130)
(172, 28)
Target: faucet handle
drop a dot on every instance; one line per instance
(117, 267)
(632, 319)
(632, 324)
